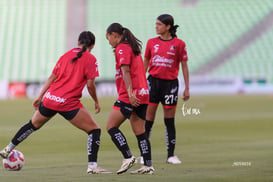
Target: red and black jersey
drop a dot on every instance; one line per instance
(65, 92)
(165, 57)
(124, 56)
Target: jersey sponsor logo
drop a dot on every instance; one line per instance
(120, 51)
(156, 47)
(54, 98)
(171, 53)
(143, 91)
(162, 61)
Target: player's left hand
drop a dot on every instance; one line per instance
(134, 101)
(36, 103)
(97, 107)
(186, 95)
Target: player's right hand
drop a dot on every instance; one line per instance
(36, 103)
(97, 107)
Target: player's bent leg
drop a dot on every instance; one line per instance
(151, 111)
(137, 124)
(116, 118)
(37, 121)
(84, 121)
(149, 122)
(144, 145)
(93, 143)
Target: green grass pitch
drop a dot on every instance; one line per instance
(219, 138)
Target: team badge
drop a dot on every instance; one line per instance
(156, 47)
(172, 48)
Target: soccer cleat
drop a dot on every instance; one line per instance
(144, 170)
(5, 152)
(126, 164)
(97, 170)
(174, 160)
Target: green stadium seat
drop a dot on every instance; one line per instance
(34, 34)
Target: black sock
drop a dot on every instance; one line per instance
(93, 144)
(148, 128)
(120, 141)
(170, 135)
(145, 149)
(23, 133)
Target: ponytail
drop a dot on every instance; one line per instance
(132, 40)
(86, 39)
(173, 30)
(127, 36)
(79, 54)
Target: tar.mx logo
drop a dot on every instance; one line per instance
(189, 110)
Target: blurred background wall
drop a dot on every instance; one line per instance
(229, 42)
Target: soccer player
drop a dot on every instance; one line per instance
(163, 56)
(133, 97)
(61, 94)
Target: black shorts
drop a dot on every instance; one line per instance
(127, 109)
(164, 91)
(49, 112)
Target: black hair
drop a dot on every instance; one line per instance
(168, 20)
(127, 36)
(87, 39)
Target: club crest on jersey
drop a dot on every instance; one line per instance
(156, 47)
(174, 90)
(172, 48)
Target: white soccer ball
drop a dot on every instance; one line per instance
(14, 161)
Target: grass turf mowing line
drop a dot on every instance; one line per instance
(214, 145)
